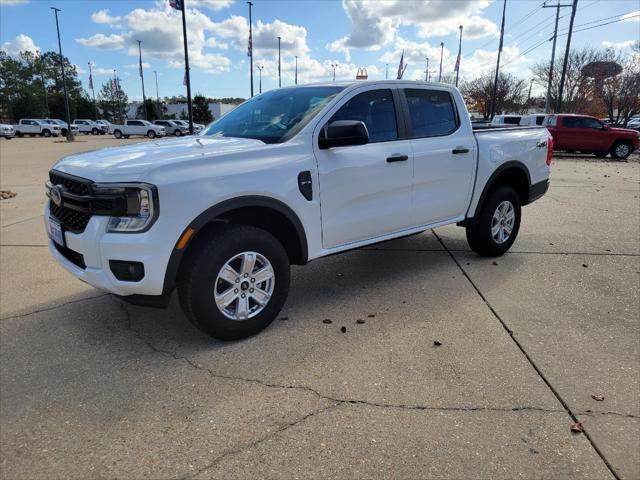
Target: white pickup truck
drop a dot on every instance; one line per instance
(289, 176)
(138, 127)
(33, 127)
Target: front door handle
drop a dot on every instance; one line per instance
(460, 150)
(397, 158)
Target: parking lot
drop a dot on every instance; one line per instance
(451, 366)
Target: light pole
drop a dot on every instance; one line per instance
(93, 90)
(144, 98)
(459, 54)
(441, 53)
(334, 66)
(157, 93)
(279, 66)
(426, 72)
(64, 79)
(296, 81)
(495, 82)
(250, 51)
(260, 67)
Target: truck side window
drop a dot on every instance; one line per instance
(432, 112)
(376, 109)
(571, 122)
(591, 123)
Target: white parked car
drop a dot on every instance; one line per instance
(506, 120)
(532, 119)
(173, 127)
(63, 126)
(87, 127)
(197, 127)
(34, 126)
(138, 127)
(292, 175)
(7, 131)
(106, 123)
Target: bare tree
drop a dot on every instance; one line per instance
(511, 94)
(620, 93)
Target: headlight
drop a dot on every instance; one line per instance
(142, 206)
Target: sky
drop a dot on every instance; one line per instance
(351, 34)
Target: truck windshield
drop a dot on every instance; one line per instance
(275, 116)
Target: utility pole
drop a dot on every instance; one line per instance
(459, 55)
(279, 65)
(334, 66)
(495, 82)
(187, 74)
(157, 92)
(296, 81)
(386, 75)
(144, 98)
(250, 50)
(441, 53)
(93, 91)
(530, 87)
(64, 79)
(260, 67)
(558, 6)
(566, 57)
(426, 72)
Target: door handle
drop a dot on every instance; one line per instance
(460, 150)
(397, 158)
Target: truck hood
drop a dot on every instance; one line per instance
(628, 131)
(130, 163)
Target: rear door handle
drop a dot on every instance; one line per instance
(397, 158)
(460, 150)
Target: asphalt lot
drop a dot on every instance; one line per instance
(93, 388)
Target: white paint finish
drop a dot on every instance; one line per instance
(364, 199)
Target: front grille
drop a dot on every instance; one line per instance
(74, 257)
(72, 220)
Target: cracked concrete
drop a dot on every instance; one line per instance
(91, 387)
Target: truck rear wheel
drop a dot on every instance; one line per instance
(235, 283)
(117, 133)
(496, 227)
(621, 150)
(151, 134)
(46, 133)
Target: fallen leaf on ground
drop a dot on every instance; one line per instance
(360, 321)
(343, 329)
(284, 319)
(577, 427)
(585, 265)
(436, 343)
(326, 320)
(371, 315)
(598, 398)
(494, 263)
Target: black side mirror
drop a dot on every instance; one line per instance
(343, 133)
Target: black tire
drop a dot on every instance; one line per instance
(19, 134)
(126, 136)
(621, 149)
(479, 233)
(117, 134)
(94, 131)
(600, 154)
(46, 133)
(199, 274)
(151, 134)
(177, 132)
(63, 132)
(87, 133)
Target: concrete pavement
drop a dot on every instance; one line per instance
(94, 388)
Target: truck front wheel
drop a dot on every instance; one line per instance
(235, 282)
(496, 227)
(621, 150)
(117, 133)
(151, 134)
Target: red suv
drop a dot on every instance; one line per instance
(590, 135)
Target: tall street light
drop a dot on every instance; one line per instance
(279, 66)
(260, 67)
(296, 81)
(459, 55)
(157, 92)
(426, 72)
(144, 98)
(441, 53)
(334, 66)
(250, 49)
(64, 79)
(386, 73)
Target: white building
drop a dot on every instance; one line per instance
(180, 109)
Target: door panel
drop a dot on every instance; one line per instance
(442, 179)
(362, 194)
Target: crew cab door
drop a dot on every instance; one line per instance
(135, 127)
(583, 134)
(29, 126)
(444, 155)
(365, 190)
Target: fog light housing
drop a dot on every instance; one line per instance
(126, 271)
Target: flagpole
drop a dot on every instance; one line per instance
(250, 48)
(186, 65)
(95, 106)
(144, 98)
(459, 54)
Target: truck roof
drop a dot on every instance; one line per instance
(355, 83)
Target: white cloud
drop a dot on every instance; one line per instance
(375, 23)
(100, 40)
(103, 17)
(618, 45)
(212, 4)
(137, 65)
(19, 44)
(632, 16)
(13, 2)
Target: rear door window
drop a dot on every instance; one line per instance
(572, 122)
(432, 113)
(376, 109)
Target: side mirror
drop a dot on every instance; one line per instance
(343, 133)
(605, 126)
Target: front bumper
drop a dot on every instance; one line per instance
(8, 134)
(96, 248)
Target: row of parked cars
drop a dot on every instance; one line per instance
(578, 133)
(54, 127)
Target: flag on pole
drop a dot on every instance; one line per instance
(177, 4)
(250, 47)
(140, 63)
(113, 86)
(401, 66)
(91, 81)
(457, 67)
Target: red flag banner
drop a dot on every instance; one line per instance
(91, 81)
(177, 4)
(401, 67)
